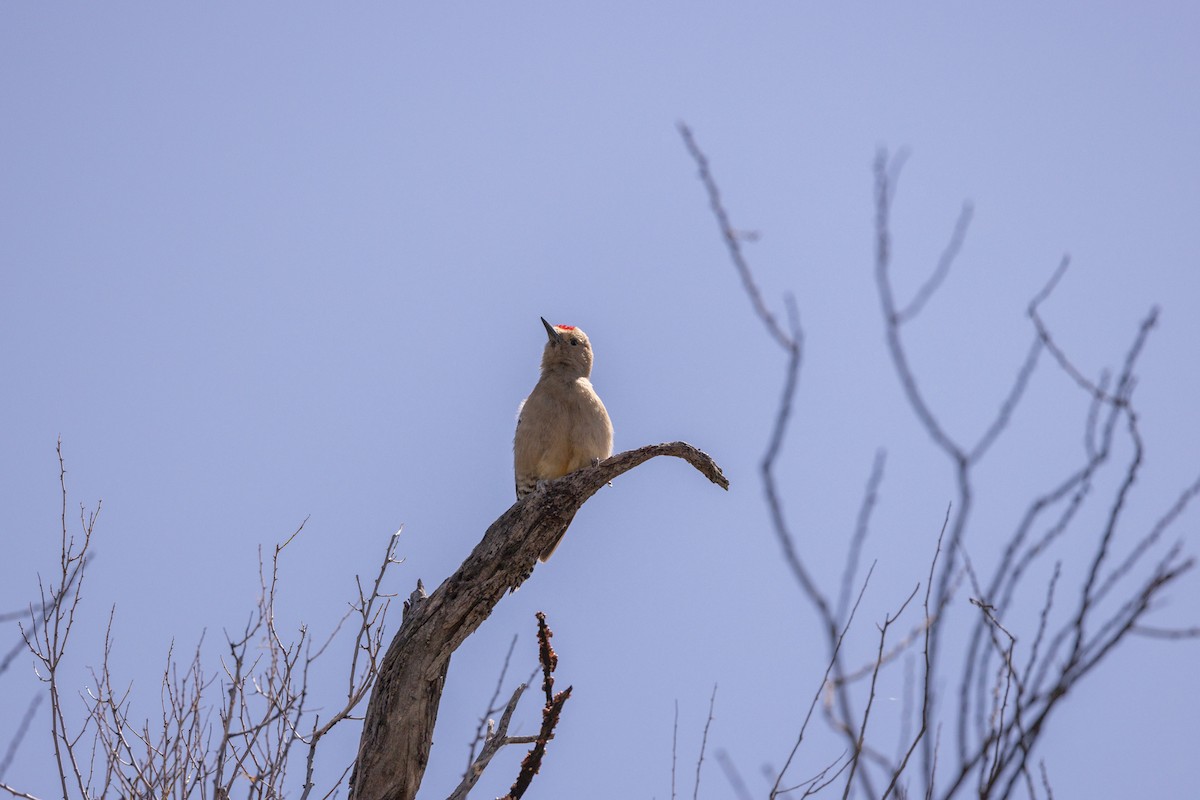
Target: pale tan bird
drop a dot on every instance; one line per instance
(562, 426)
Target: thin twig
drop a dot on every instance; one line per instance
(733, 242)
(674, 747)
(957, 237)
(481, 730)
(775, 789)
(927, 672)
(495, 738)
(870, 498)
(862, 729)
(704, 742)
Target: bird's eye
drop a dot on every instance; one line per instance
(574, 341)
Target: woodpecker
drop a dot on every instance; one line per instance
(562, 426)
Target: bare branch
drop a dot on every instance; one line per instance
(1016, 391)
(674, 747)
(891, 316)
(481, 733)
(17, 793)
(50, 630)
(550, 714)
(733, 243)
(704, 742)
(957, 237)
(870, 497)
(775, 789)
(372, 608)
(1151, 632)
(862, 729)
(927, 671)
(495, 738)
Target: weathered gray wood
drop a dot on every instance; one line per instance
(398, 729)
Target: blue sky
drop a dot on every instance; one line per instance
(262, 264)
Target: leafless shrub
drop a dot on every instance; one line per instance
(237, 728)
(1015, 672)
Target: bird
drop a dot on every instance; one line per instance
(562, 426)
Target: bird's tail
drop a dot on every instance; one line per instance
(550, 548)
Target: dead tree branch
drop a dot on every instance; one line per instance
(398, 730)
(496, 737)
(532, 763)
(712, 701)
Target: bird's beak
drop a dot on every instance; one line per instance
(555, 336)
